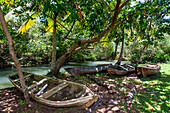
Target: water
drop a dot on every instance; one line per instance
(43, 70)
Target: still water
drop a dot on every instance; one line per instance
(43, 70)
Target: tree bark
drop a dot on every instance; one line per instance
(115, 52)
(122, 48)
(54, 51)
(13, 56)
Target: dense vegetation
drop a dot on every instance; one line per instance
(84, 31)
(35, 48)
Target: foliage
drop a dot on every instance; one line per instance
(154, 53)
(101, 52)
(91, 18)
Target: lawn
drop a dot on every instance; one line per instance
(157, 96)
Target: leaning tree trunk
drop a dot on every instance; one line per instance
(60, 61)
(12, 54)
(122, 48)
(82, 43)
(54, 52)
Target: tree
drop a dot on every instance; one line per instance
(122, 47)
(97, 18)
(12, 53)
(60, 8)
(84, 44)
(145, 28)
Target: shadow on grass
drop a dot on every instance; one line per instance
(157, 96)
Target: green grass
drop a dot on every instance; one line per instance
(157, 96)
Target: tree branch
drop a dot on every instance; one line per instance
(70, 30)
(95, 39)
(52, 18)
(123, 19)
(121, 6)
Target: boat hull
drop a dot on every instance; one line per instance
(149, 69)
(120, 70)
(58, 93)
(77, 71)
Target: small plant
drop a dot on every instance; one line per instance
(21, 102)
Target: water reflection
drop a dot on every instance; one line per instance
(43, 70)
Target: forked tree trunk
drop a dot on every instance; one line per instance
(12, 54)
(122, 48)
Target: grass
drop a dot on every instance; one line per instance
(157, 96)
(155, 99)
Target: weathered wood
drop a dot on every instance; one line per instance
(104, 84)
(24, 78)
(77, 71)
(120, 70)
(95, 104)
(123, 67)
(130, 66)
(149, 69)
(37, 84)
(87, 99)
(130, 96)
(53, 90)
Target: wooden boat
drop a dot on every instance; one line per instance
(121, 69)
(77, 71)
(149, 69)
(55, 92)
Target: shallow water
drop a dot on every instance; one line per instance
(43, 70)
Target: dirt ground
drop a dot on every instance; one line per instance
(12, 100)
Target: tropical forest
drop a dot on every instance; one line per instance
(84, 56)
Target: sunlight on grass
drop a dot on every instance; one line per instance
(165, 68)
(156, 97)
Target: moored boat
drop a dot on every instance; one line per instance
(55, 92)
(149, 69)
(77, 71)
(121, 69)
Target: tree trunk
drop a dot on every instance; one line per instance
(14, 58)
(122, 48)
(80, 43)
(137, 62)
(54, 52)
(141, 53)
(60, 61)
(115, 52)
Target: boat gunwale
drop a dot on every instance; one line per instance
(75, 100)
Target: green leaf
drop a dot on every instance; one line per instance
(75, 16)
(46, 6)
(54, 7)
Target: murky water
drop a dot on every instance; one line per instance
(43, 70)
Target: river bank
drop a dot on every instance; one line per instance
(12, 100)
(152, 95)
